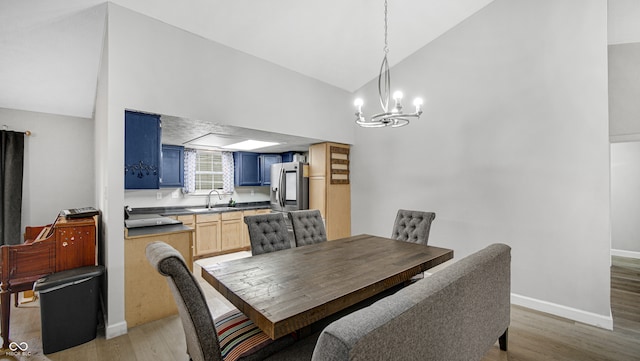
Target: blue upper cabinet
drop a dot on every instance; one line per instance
(266, 160)
(172, 170)
(287, 157)
(142, 134)
(246, 171)
(253, 169)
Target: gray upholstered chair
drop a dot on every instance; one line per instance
(412, 226)
(267, 233)
(209, 339)
(308, 227)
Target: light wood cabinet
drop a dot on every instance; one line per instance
(231, 231)
(219, 233)
(186, 219)
(147, 294)
(207, 234)
(329, 187)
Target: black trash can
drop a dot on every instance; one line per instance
(69, 302)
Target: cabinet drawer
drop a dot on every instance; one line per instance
(231, 215)
(213, 217)
(187, 219)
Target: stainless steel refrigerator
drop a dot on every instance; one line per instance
(289, 186)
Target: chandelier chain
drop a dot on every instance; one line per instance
(386, 44)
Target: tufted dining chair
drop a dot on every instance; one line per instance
(229, 337)
(308, 227)
(267, 233)
(413, 226)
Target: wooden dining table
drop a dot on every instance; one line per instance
(287, 290)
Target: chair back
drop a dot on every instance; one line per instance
(267, 233)
(199, 328)
(308, 227)
(412, 226)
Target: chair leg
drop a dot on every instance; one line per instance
(503, 340)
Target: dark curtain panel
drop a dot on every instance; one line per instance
(11, 167)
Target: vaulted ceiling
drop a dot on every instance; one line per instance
(50, 50)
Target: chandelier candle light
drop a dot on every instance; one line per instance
(388, 118)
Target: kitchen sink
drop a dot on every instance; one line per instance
(207, 210)
(199, 210)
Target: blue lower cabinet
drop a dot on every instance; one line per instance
(172, 170)
(142, 134)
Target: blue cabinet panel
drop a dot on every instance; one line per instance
(287, 157)
(142, 136)
(246, 171)
(172, 171)
(253, 169)
(266, 160)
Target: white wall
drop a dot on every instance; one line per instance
(624, 26)
(625, 196)
(624, 92)
(156, 68)
(512, 148)
(139, 198)
(624, 126)
(58, 163)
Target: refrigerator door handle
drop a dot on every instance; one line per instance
(281, 195)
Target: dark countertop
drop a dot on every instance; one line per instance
(176, 211)
(148, 231)
(155, 212)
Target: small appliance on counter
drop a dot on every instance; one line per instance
(83, 212)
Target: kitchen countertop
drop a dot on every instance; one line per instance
(156, 230)
(155, 212)
(176, 211)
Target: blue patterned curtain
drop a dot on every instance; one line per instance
(227, 172)
(189, 171)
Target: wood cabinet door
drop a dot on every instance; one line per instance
(231, 234)
(207, 238)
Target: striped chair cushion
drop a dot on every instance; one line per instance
(239, 336)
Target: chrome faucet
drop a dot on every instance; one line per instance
(209, 205)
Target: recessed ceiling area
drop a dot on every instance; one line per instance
(203, 134)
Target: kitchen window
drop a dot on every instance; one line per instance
(209, 173)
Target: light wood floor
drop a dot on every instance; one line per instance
(533, 336)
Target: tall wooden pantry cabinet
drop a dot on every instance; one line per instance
(330, 188)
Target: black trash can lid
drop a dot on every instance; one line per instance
(61, 279)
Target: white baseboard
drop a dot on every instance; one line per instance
(574, 314)
(622, 253)
(116, 330)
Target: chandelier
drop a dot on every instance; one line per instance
(389, 117)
